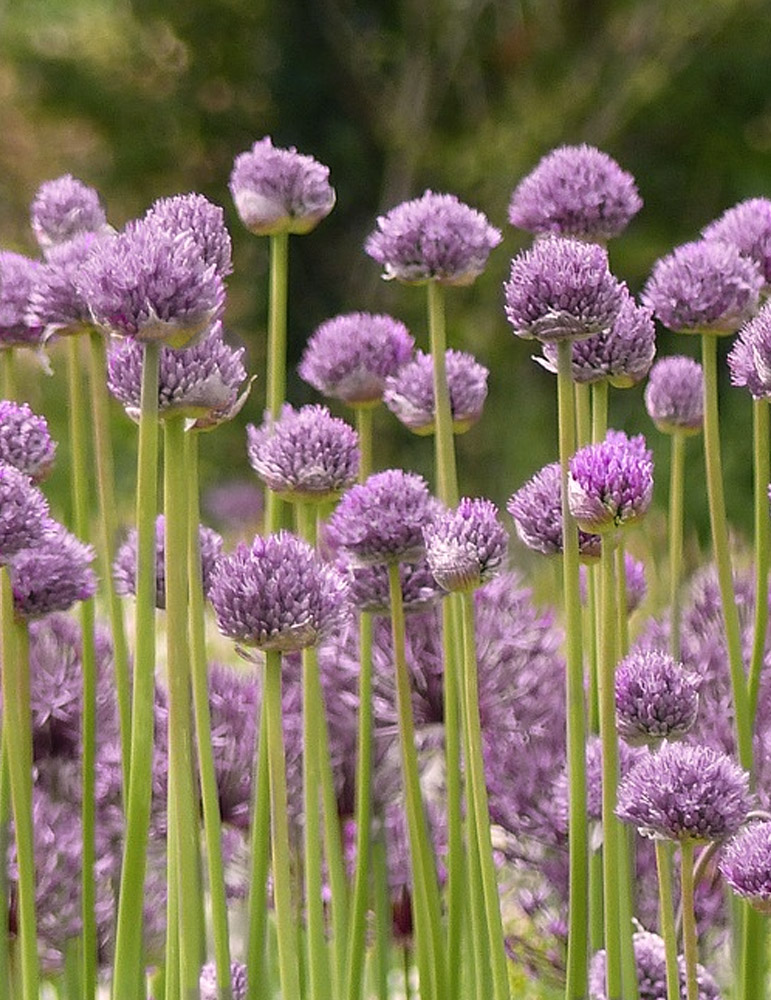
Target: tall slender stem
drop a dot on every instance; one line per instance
(258, 979)
(364, 415)
(761, 452)
(383, 917)
(5, 819)
(676, 494)
(690, 946)
(667, 916)
(275, 381)
(622, 602)
(599, 411)
(583, 391)
(578, 915)
(446, 472)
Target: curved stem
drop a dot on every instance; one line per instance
(676, 493)
(690, 946)
(761, 440)
(667, 916)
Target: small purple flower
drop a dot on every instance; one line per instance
(750, 356)
(152, 284)
(370, 588)
(466, 547)
(536, 509)
(382, 519)
(621, 355)
(63, 208)
(277, 594)
(674, 395)
(745, 864)
(24, 520)
(203, 220)
(350, 357)
(18, 278)
(703, 287)
(562, 289)
(25, 441)
(125, 566)
(409, 394)
(201, 382)
(280, 190)
(208, 981)
(575, 191)
(685, 792)
(656, 698)
(53, 575)
(747, 226)
(433, 238)
(611, 483)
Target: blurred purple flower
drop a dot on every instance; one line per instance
(63, 209)
(409, 393)
(53, 575)
(24, 519)
(466, 547)
(746, 226)
(674, 395)
(18, 279)
(25, 441)
(745, 864)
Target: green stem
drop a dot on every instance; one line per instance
(172, 970)
(622, 604)
(626, 897)
(364, 415)
(457, 876)
(478, 804)
(690, 946)
(578, 915)
(275, 382)
(761, 441)
(17, 729)
(444, 441)
(583, 391)
(5, 819)
(590, 622)
(208, 776)
(722, 552)
(383, 917)
(754, 959)
(282, 894)
(599, 411)
(128, 943)
(667, 916)
(676, 518)
(258, 980)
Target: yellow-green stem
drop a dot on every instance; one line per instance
(275, 379)
(761, 441)
(667, 916)
(622, 603)
(258, 979)
(676, 499)
(444, 441)
(599, 411)
(364, 415)
(583, 391)
(5, 819)
(690, 944)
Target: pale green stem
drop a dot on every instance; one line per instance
(208, 776)
(475, 918)
(383, 917)
(275, 381)
(597, 932)
(676, 516)
(444, 441)
(754, 958)
(599, 411)
(690, 946)
(457, 876)
(17, 729)
(583, 391)
(622, 603)
(478, 805)
(591, 626)
(258, 980)
(667, 916)
(282, 879)
(364, 415)
(578, 914)
(128, 944)
(626, 864)
(5, 818)
(761, 440)
(172, 970)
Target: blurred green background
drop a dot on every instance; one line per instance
(157, 97)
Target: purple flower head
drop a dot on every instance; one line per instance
(745, 864)
(536, 509)
(433, 238)
(125, 566)
(277, 594)
(203, 220)
(562, 289)
(350, 357)
(466, 547)
(280, 190)
(370, 588)
(18, 278)
(381, 520)
(621, 355)
(651, 962)
(24, 520)
(234, 709)
(674, 395)
(305, 455)
(611, 483)
(201, 382)
(750, 356)
(152, 284)
(703, 286)
(236, 505)
(685, 792)
(746, 226)
(209, 988)
(25, 441)
(53, 575)
(656, 698)
(64, 208)
(409, 394)
(575, 191)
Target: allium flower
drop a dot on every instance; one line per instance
(306, 454)
(745, 864)
(125, 566)
(409, 394)
(349, 357)
(622, 355)
(382, 519)
(750, 356)
(575, 191)
(747, 226)
(433, 238)
(656, 698)
(611, 483)
(152, 284)
(63, 208)
(370, 588)
(685, 792)
(674, 395)
(53, 575)
(203, 220)
(201, 382)
(24, 519)
(703, 286)
(536, 509)
(651, 961)
(18, 277)
(465, 547)
(562, 289)
(277, 594)
(208, 981)
(280, 190)
(25, 441)
(235, 505)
